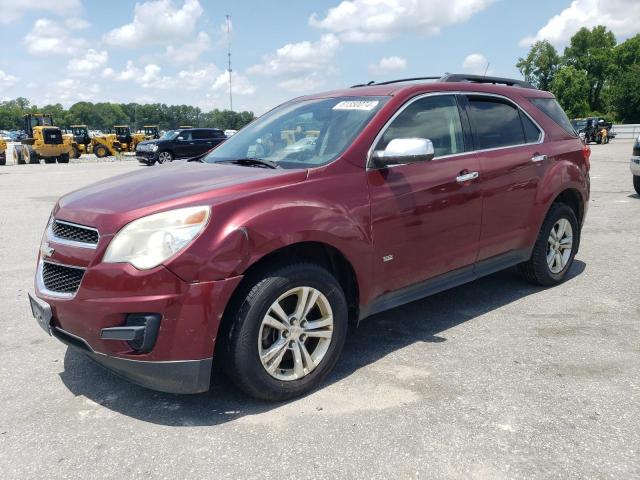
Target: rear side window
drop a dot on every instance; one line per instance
(185, 135)
(531, 132)
(497, 123)
(435, 118)
(202, 134)
(552, 109)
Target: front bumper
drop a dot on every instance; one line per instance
(181, 358)
(635, 165)
(148, 158)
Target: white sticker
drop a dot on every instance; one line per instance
(356, 105)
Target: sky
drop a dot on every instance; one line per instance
(175, 51)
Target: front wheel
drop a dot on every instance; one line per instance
(555, 248)
(64, 158)
(636, 183)
(165, 157)
(286, 332)
(100, 151)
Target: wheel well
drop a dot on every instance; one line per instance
(573, 199)
(314, 252)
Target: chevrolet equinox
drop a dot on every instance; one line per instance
(326, 210)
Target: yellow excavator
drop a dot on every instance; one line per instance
(101, 145)
(3, 151)
(128, 140)
(44, 141)
(151, 132)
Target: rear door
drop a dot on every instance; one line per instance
(203, 140)
(513, 161)
(425, 217)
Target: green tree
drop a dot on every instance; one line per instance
(624, 89)
(540, 65)
(569, 86)
(591, 51)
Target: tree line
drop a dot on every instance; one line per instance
(103, 116)
(595, 76)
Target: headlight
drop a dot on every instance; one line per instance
(148, 241)
(154, 148)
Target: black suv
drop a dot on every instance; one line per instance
(182, 143)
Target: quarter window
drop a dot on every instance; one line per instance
(435, 118)
(531, 132)
(497, 123)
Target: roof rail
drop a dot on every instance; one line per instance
(463, 77)
(457, 77)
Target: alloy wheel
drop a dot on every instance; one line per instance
(164, 157)
(559, 245)
(295, 333)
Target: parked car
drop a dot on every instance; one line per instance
(594, 129)
(260, 263)
(177, 144)
(635, 165)
(229, 132)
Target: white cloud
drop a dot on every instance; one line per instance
(71, 90)
(7, 80)
(12, 10)
(619, 16)
(50, 38)
(147, 77)
(197, 79)
(91, 61)
(379, 20)
(387, 65)
(157, 22)
(189, 52)
(240, 84)
(296, 58)
(476, 63)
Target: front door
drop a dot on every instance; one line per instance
(185, 145)
(426, 217)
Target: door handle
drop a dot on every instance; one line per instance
(538, 158)
(466, 177)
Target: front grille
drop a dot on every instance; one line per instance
(52, 136)
(74, 233)
(60, 278)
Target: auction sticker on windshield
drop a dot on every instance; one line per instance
(356, 105)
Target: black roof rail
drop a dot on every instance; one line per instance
(463, 77)
(457, 77)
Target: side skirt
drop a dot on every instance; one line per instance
(444, 282)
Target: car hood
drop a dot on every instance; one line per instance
(110, 204)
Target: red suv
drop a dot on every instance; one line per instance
(326, 210)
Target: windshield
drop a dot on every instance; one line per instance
(169, 135)
(579, 124)
(303, 134)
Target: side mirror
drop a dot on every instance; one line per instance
(180, 138)
(404, 150)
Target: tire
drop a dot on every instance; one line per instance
(100, 151)
(64, 158)
(76, 152)
(537, 269)
(165, 157)
(247, 337)
(19, 156)
(30, 156)
(636, 184)
(3, 159)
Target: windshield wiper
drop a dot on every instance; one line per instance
(252, 162)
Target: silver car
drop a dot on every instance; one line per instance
(635, 165)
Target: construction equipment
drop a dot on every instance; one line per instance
(151, 132)
(128, 140)
(44, 140)
(3, 151)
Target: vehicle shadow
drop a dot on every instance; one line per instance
(421, 321)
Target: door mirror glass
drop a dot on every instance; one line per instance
(180, 138)
(404, 150)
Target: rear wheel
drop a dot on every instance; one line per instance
(636, 183)
(100, 151)
(64, 158)
(555, 248)
(3, 159)
(76, 152)
(287, 330)
(164, 157)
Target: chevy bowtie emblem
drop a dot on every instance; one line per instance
(46, 250)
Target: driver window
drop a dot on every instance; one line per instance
(435, 118)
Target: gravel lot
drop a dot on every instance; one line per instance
(495, 379)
